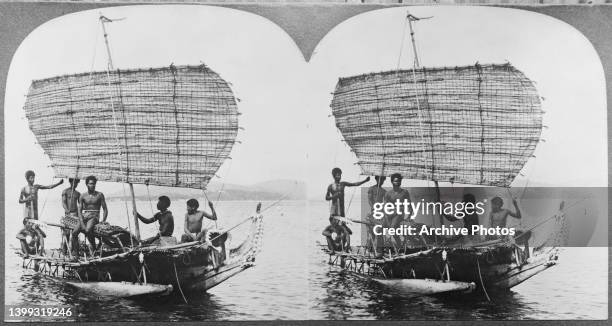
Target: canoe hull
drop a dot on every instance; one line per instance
(153, 270)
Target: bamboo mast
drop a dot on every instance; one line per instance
(417, 65)
(104, 20)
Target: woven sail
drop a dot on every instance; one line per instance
(171, 126)
(474, 125)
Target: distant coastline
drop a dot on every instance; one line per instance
(267, 190)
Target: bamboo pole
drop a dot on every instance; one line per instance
(136, 227)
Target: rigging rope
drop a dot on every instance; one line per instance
(206, 196)
(179, 283)
(543, 221)
(399, 58)
(149, 197)
(44, 202)
(95, 51)
(229, 167)
(481, 282)
(414, 80)
(416, 93)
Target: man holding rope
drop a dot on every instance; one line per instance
(164, 217)
(195, 224)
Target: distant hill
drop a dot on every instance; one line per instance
(293, 189)
(267, 190)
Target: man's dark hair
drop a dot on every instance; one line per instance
(497, 201)
(90, 178)
(378, 178)
(73, 180)
(193, 203)
(469, 198)
(396, 176)
(336, 171)
(29, 173)
(164, 200)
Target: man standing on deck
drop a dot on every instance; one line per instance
(70, 202)
(397, 193)
(335, 194)
(90, 204)
(29, 197)
(376, 194)
(164, 217)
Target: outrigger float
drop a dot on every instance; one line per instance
(474, 125)
(171, 126)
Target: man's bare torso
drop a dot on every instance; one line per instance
(194, 221)
(499, 218)
(91, 202)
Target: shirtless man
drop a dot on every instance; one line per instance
(393, 195)
(499, 215)
(164, 217)
(195, 225)
(334, 236)
(335, 194)
(376, 194)
(29, 197)
(70, 202)
(90, 204)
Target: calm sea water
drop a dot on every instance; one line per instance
(292, 280)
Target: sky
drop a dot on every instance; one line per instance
(289, 132)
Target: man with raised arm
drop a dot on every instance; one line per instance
(90, 204)
(195, 223)
(335, 194)
(29, 197)
(499, 215)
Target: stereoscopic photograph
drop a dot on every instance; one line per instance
(219, 162)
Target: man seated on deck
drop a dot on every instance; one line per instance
(90, 204)
(334, 236)
(195, 225)
(70, 202)
(29, 197)
(165, 219)
(499, 215)
(335, 194)
(397, 193)
(196, 228)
